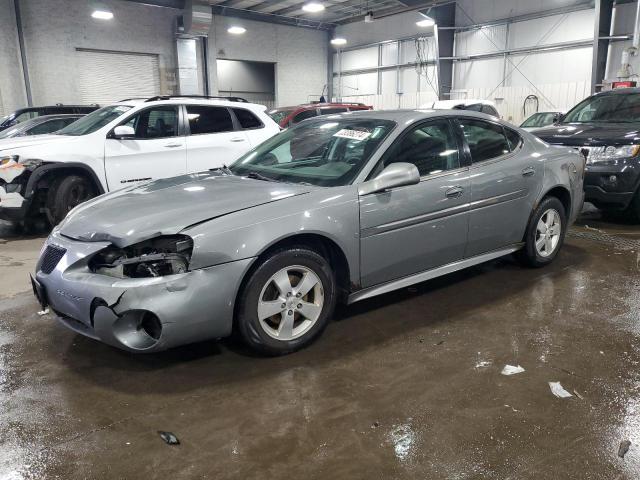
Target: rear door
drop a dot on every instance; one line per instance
(504, 185)
(214, 139)
(410, 229)
(157, 150)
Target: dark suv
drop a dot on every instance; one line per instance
(607, 126)
(24, 114)
(287, 116)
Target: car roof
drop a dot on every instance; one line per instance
(408, 116)
(190, 101)
(320, 105)
(462, 101)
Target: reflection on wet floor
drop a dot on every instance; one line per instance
(407, 385)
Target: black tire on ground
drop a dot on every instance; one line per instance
(248, 325)
(66, 193)
(529, 255)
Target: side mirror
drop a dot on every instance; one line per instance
(123, 132)
(395, 175)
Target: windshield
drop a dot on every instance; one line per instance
(94, 121)
(541, 119)
(279, 115)
(325, 153)
(616, 108)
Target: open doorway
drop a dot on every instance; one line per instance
(254, 81)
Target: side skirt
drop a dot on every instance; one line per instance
(430, 274)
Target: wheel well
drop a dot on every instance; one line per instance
(319, 244)
(564, 196)
(323, 246)
(50, 176)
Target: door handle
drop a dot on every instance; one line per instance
(173, 145)
(237, 139)
(528, 172)
(454, 192)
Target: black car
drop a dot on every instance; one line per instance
(40, 125)
(24, 114)
(607, 126)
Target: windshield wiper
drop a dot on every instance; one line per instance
(257, 176)
(224, 169)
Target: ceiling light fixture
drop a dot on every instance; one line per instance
(313, 7)
(338, 41)
(102, 14)
(236, 30)
(426, 22)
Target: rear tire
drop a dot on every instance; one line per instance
(287, 301)
(545, 233)
(66, 193)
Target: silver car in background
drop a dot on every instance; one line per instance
(339, 208)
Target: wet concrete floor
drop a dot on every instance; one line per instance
(404, 386)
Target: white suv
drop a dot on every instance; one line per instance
(123, 144)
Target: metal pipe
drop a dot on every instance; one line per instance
(23, 53)
(636, 28)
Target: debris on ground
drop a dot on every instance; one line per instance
(558, 390)
(375, 425)
(44, 312)
(511, 370)
(440, 342)
(169, 438)
(483, 363)
(578, 394)
(623, 448)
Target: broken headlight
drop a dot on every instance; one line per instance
(157, 257)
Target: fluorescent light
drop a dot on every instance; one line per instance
(313, 7)
(338, 41)
(102, 14)
(426, 22)
(236, 30)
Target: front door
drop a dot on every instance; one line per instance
(414, 228)
(213, 140)
(504, 185)
(157, 149)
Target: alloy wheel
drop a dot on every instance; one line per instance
(290, 302)
(548, 233)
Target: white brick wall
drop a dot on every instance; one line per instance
(53, 29)
(300, 55)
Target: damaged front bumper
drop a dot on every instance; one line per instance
(14, 177)
(137, 314)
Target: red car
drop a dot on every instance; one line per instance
(287, 116)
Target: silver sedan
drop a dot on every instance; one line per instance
(340, 208)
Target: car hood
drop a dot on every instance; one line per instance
(168, 206)
(578, 134)
(30, 141)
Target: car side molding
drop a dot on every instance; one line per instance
(430, 274)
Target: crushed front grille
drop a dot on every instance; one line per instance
(51, 257)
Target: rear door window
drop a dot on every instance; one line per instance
(247, 119)
(486, 140)
(204, 119)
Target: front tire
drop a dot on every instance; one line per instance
(65, 193)
(287, 301)
(545, 233)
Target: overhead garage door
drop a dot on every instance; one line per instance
(106, 77)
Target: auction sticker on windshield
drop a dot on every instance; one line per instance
(357, 135)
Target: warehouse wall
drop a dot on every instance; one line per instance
(12, 93)
(300, 55)
(53, 30)
(559, 78)
(623, 20)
